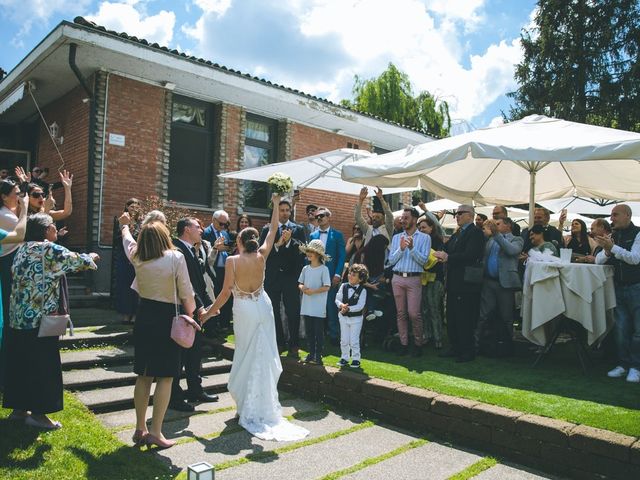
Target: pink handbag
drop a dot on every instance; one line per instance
(182, 332)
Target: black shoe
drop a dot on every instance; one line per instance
(447, 354)
(202, 397)
(293, 353)
(403, 350)
(181, 406)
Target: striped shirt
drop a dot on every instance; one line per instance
(409, 260)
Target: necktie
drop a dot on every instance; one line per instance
(193, 252)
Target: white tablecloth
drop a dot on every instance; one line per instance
(582, 292)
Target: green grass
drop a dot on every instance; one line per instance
(82, 448)
(557, 388)
(475, 469)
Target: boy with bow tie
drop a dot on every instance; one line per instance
(351, 300)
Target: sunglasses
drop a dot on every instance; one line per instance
(36, 170)
(461, 212)
(321, 215)
(36, 195)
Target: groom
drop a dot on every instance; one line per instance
(283, 268)
(190, 233)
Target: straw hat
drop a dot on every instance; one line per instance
(315, 246)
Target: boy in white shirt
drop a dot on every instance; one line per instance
(351, 300)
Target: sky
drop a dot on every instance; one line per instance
(461, 51)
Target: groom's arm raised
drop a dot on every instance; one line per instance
(273, 227)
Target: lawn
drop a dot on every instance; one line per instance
(83, 448)
(557, 388)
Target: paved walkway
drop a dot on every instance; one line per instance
(340, 445)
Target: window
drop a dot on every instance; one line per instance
(259, 149)
(191, 154)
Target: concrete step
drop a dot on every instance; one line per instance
(433, 461)
(92, 315)
(320, 459)
(118, 398)
(218, 446)
(118, 375)
(84, 299)
(126, 419)
(94, 357)
(500, 472)
(204, 424)
(92, 336)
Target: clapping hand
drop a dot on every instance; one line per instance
(404, 242)
(62, 232)
(124, 219)
(441, 256)
(284, 237)
(605, 241)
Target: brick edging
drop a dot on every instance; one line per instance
(552, 445)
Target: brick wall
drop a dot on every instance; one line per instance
(137, 111)
(72, 116)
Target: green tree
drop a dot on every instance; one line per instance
(581, 63)
(391, 97)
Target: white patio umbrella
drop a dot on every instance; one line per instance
(586, 206)
(534, 158)
(321, 172)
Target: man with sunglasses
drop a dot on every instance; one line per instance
(38, 175)
(334, 246)
(218, 236)
(463, 255)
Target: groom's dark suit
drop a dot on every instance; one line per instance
(281, 281)
(192, 357)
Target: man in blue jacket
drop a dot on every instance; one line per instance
(334, 246)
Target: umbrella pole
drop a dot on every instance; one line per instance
(532, 194)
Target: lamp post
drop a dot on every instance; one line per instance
(200, 471)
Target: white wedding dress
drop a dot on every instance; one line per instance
(256, 368)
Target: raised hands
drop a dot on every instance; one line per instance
(124, 219)
(362, 196)
(22, 175)
(66, 178)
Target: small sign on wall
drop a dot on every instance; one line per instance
(116, 139)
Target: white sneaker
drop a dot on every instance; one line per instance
(617, 372)
(377, 313)
(370, 317)
(634, 375)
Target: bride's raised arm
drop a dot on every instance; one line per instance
(265, 248)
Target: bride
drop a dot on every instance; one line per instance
(256, 364)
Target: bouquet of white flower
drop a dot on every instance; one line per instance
(280, 183)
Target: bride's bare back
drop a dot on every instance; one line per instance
(248, 271)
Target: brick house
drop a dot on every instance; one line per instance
(138, 119)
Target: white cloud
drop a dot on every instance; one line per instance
(213, 6)
(130, 17)
(424, 38)
(496, 121)
(27, 12)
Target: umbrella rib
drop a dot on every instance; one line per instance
(489, 176)
(321, 174)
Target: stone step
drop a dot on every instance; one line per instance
(92, 357)
(92, 336)
(126, 419)
(199, 426)
(118, 398)
(433, 461)
(222, 445)
(500, 472)
(93, 314)
(320, 459)
(106, 357)
(89, 300)
(118, 375)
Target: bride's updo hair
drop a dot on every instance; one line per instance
(249, 239)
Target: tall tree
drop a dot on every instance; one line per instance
(581, 63)
(391, 97)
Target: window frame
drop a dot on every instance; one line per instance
(271, 146)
